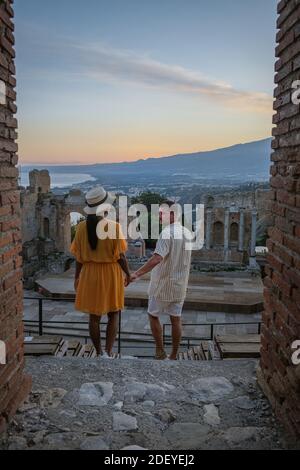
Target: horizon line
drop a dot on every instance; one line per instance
(141, 158)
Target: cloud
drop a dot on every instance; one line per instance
(104, 63)
(107, 64)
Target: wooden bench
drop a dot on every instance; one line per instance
(57, 346)
(238, 346)
(196, 353)
(45, 346)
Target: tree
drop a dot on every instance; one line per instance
(147, 198)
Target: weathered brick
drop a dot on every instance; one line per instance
(281, 318)
(14, 385)
(5, 240)
(11, 197)
(7, 46)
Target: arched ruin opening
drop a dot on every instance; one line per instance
(75, 219)
(218, 234)
(234, 234)
(46, 227)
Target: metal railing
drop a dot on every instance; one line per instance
(212, 327)
(188, 340)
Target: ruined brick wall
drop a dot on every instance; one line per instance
(279, 375)
(14, 385)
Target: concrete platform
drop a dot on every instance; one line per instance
(226, 292)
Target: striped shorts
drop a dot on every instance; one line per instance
(160, 307)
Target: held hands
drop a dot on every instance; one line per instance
(129, 279)
(134, 277)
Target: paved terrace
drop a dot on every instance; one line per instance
(236, 292)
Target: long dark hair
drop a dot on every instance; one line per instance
(91, 224)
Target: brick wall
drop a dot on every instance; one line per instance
(278, 376)
(14, 385)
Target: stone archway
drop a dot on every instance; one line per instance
(46, 227)
(234, 234)
(73, 202)
(218, 234)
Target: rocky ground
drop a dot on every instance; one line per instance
(136, 404)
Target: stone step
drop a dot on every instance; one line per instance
(155, 405)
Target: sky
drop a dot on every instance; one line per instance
(119, 80)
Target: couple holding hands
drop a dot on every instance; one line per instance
(101, 266)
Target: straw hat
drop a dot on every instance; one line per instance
(98, 201)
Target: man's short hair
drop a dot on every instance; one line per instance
(173, 208)
(169, 203)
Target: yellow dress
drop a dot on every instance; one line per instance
(101, 283)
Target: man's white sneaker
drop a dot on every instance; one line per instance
(106, 356)
(171, 360)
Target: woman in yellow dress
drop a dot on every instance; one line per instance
(101, 269)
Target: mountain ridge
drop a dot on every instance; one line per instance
(189, 154)
(240, 161)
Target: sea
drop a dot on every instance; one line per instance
(59, 180)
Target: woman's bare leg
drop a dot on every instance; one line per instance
(95, 334)
(112, 330)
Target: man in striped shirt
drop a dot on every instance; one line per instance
(170, 268)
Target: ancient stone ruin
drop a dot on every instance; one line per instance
(46, 226)
(231, 229)
(233, 223)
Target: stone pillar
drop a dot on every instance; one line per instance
(226, 234)
(39, 181)
(253, 234)
(208, 229)
(14, 384)
(279, 373)
(63, 224)
(242, 230)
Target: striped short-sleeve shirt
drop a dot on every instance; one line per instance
(169, 279)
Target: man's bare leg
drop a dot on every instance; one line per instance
(157, 333)
(94, 325)
(112, 330)
(176, 336)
